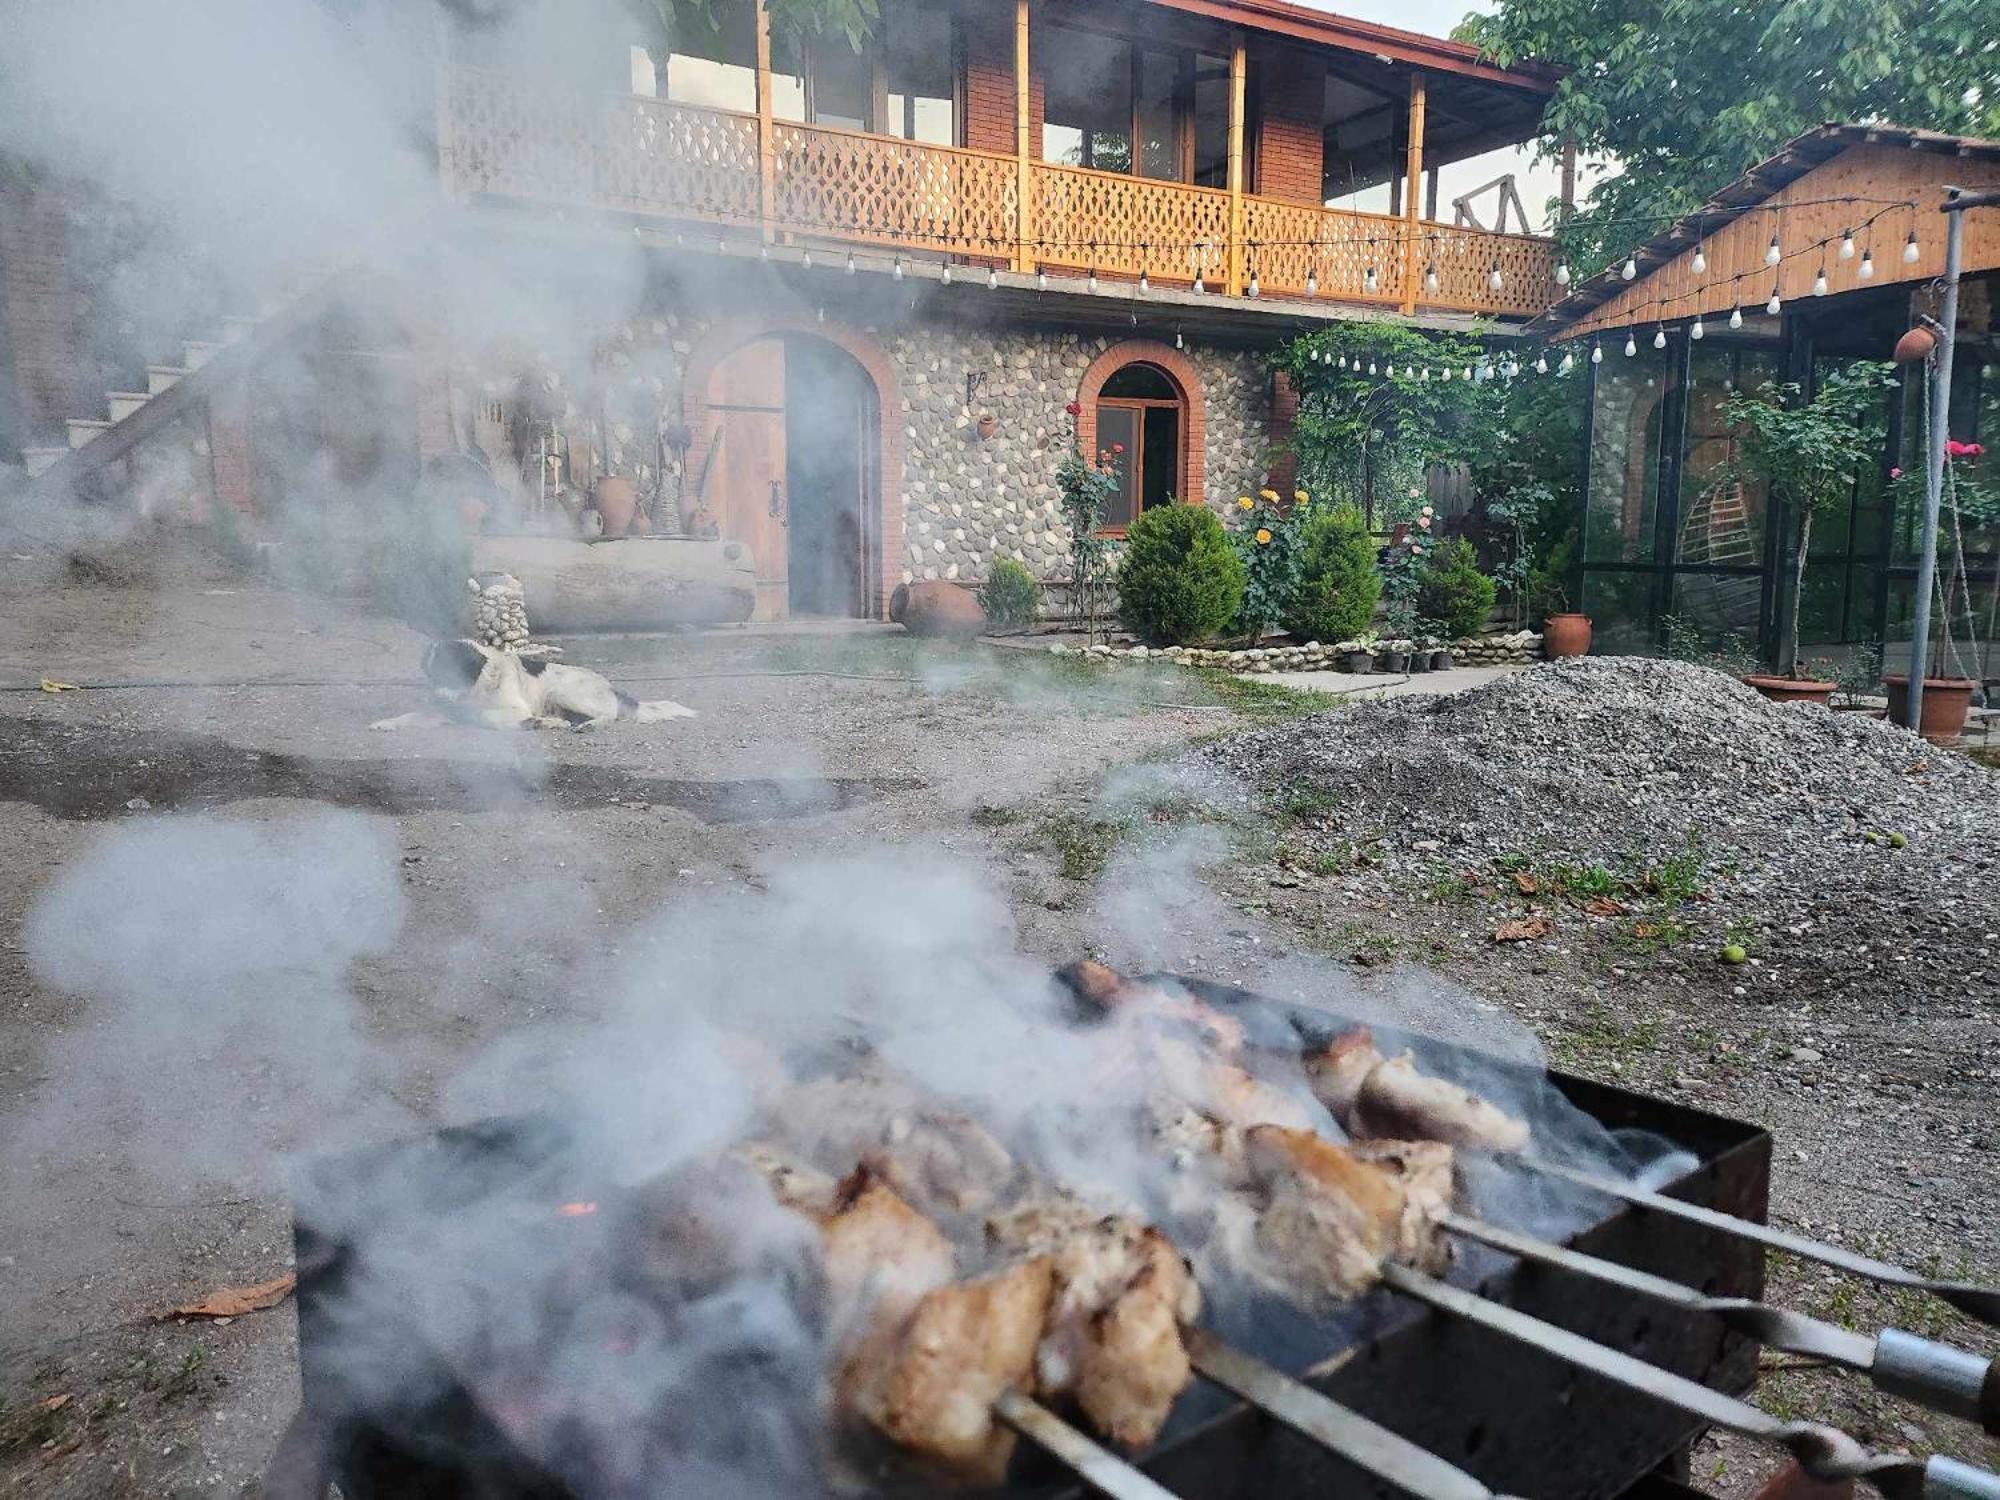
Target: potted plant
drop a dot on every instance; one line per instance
(1396, 656)
(1808, 452)
(1947, 699)
(1362, 657)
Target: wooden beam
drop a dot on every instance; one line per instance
(1239, 74)
(1024, 191)
(1413, 173)
(767, 157)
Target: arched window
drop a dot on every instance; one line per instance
(1140, 414)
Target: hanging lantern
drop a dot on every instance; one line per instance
(1199, 288)
(898, 272)
(1091, 284)
(1368, 280)
(806, 260)
(850, 263)
(1542, 365)
(1568, 363)
(1431, 279)
(1914, 347)
(1256, 287)
(944, 274)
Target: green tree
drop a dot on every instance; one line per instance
(1688, 94)
(1179, 581)
(1452, 591)
(853, 20)
(1809, 453)
(1339, 585)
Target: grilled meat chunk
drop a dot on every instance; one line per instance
(929, 1383)
(1389, 1099)
(881, 1254)
(1223, 1091)
(1423, 1170)
(1328, 1218)
(1103, 991)
(1113, 1337)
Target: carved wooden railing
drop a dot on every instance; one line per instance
(505, 136)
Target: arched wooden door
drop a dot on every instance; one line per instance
(743, 475)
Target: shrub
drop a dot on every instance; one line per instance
(1452, 590)
(1180, 580)
(1010, 596)
(1338, 585)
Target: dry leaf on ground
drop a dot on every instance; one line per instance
(1604, 906)
(1525, 930)
(234, 1301)
(56, 1403)
(1526, 883)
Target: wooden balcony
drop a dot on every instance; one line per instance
(509, 137)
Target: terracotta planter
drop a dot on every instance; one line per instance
(988, 425)
(616, 501)
(1946, 700)
(1565, 635)
(1792, 689)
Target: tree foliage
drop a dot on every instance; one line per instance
(1180, 580)
(852, 20)
(1338, 586)
(1688, 94)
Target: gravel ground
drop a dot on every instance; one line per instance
(1874, 1069)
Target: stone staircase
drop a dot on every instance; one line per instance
(121, 405)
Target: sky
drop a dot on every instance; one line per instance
(1537, 184)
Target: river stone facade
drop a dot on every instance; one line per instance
(969, 500)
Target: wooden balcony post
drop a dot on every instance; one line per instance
(1024, 190)
(1239, 71)
(1413, 173)
(767, 158)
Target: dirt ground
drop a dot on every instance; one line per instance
(257, 704)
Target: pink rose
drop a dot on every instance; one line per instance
(1895, 473)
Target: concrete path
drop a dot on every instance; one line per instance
(1387, 684)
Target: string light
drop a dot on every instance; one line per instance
(1495, 280)
(1542, 365)
(1368, 280)
(1447, 372)
(1867, 268)
(1910, 251)
(1256, 288)
(1700, 261)
(850, 263)
(1431, 279)
(1659, 338)
(1773, 254)
(1090, 284)
(1568, 363)
(1736, 317)
(944, 274)
(992, 279)
(1312, 283)
(1177, 337)
(1388, 371)
(1819, 283)
(1427, 373)
(1695, 330)
(763, 251)
(1145, 283)
(1466, 374)
(1596, 353)
(1343, 361)
(1371, 367)
(806, 260)
(898, 272)
(1198, 287)
(1041, 281)
(1562, 275)
(1631, 268)
(1776, 305)
(1847, 245)
(822, 315)
(1631, 346)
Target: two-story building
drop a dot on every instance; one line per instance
(828, 305)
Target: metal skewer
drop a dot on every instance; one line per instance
(1096, 1466)
(1365, 1444)
(1826, 1453)
(1937, 1375)
(1981, 1302)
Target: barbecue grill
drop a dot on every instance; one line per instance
(1581, 1370)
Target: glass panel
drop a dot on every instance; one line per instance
(1141, 382)
(717, 69)
(1161, 452)
(1211, 122)
(1624, 480)
(788, 80)
(917, 71)
(841, 80)
(1722, 521)
(1721, 610)
(1087, 81)
(1159, 116)
(1120, 424)
(1620, 606)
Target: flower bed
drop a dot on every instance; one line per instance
(1516, 649)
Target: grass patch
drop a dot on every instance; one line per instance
(1263, 700)
(1601, 1037)
(988, 816)
(1082, 844)
(1307, 806)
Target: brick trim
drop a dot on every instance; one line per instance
(1191, 466)
(724, 338)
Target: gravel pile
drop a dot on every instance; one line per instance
(1805, 820)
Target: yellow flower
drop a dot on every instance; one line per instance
(1263, 536)
(1301, 496)
(1270, 495)
(1244, 502)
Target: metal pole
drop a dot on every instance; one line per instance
(1940, 399)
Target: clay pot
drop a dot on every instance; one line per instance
(988, 425)
(1565, 635)
(1913, 348)
(937, 608)
(1792, 689)
(616, 501)
(1946, 701)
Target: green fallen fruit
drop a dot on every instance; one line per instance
(1735, 953)
(1898, 841)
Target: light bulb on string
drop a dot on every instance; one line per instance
(1368, 280)
(1371, 367)
(1866, 270)
(1466, 373)
(1199, 288)
(1494, 279)
(1736, 317)
(1177, 338)
(1700, 262)
(1312, 283)
(1568, 363)
(1542, 365)
(850, 263)
(1819, 283)
(806, 260)
(1776, 305)
(1256, 287)
(1660, 338)
(1631, 346)
(1631, 268)
(897, 273)
(1388, 372)
(822, 315)
(944, 274)
(1910, 250)
(1447, 372)
(1772, 254)
(1597, 354)
(1041, 281)
(1562, 274)
(1427, 373)
(1696, 331)
(1090, 284)
(992, 278)
(1431, 279)
(1145, 283)
(763, 252)
(1847, 245)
